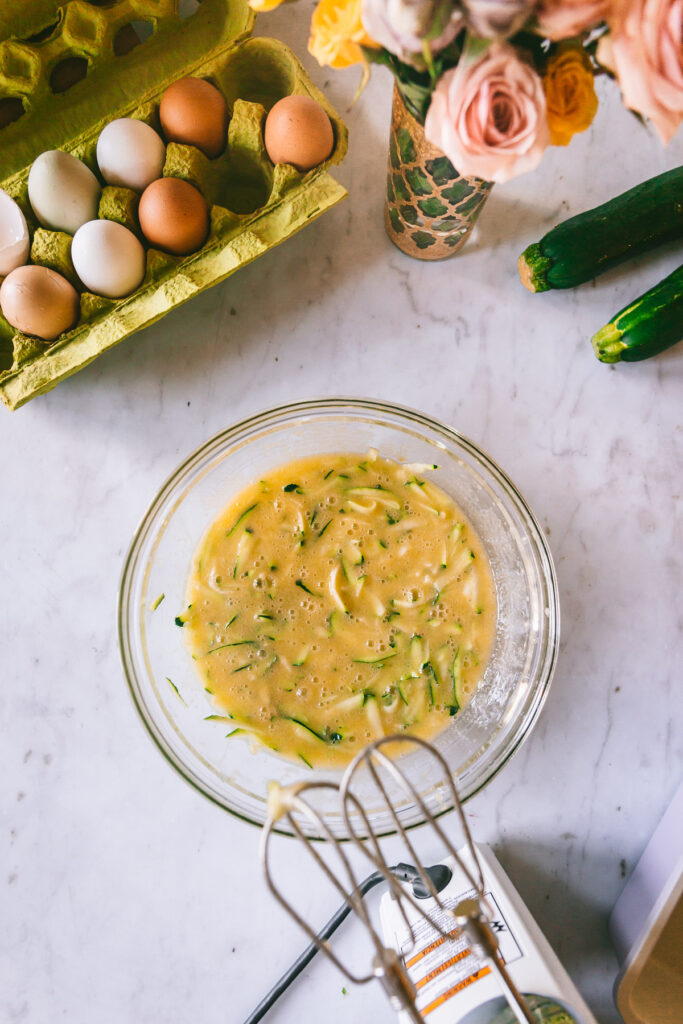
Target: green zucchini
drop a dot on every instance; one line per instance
(650, 324)
(586, 245)
(380, 494)
(374, 659)
(456, 674)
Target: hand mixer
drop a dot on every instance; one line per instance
(449, 909)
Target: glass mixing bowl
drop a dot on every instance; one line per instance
(167, 691)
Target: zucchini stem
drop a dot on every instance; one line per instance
(533, 267)
(607, 344)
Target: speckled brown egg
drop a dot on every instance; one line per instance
(298, 132)
(194, 112)
(173, 216)
(39, 302)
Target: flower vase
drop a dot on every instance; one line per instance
(430, 208)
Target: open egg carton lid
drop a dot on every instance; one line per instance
(66, 70)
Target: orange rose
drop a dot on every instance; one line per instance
(570, 97)
(337, 33)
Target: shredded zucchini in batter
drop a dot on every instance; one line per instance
(341, 598)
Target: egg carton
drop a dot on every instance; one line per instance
(68, 69)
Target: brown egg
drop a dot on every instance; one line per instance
(173, 216)
(194, 112)
(39, 302)
(298, 132)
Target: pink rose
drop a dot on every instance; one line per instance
(644, 49)
(561, 19)
(488, 115)
(496, 19)
(402, 26)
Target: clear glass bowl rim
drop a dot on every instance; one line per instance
(278, 416)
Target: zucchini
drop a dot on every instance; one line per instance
(416, 655)
(651, 323)
(586, 245)
(456, 674)
(241, 519)
(432, 681)
(380, 494)
(301, 657)
(374, 659)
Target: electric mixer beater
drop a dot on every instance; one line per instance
(457, 938)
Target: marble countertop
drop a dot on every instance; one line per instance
(125, 896)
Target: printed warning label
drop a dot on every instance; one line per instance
(441, 967)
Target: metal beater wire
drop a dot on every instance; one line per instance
(295, 803)
(366, 757)
(470, 917)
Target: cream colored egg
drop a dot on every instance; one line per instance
(14, 238)
(108, 258)
(63, 192)
(39, 302)
(130, 153)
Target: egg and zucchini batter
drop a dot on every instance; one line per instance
(341, 598)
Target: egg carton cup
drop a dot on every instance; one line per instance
(253, 204)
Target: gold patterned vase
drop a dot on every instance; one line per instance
(430, 208)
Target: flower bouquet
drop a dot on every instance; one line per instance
(484, 86)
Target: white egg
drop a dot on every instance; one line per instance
(63, 192)
(14, 238)
(130, 153)
(108, 258)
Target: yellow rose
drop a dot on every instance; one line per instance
(261, 6)
(570, 97)
(337, 33)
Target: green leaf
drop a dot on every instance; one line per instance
(415, 86)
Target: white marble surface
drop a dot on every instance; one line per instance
(124, 896)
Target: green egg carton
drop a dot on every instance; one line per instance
(66, 70)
